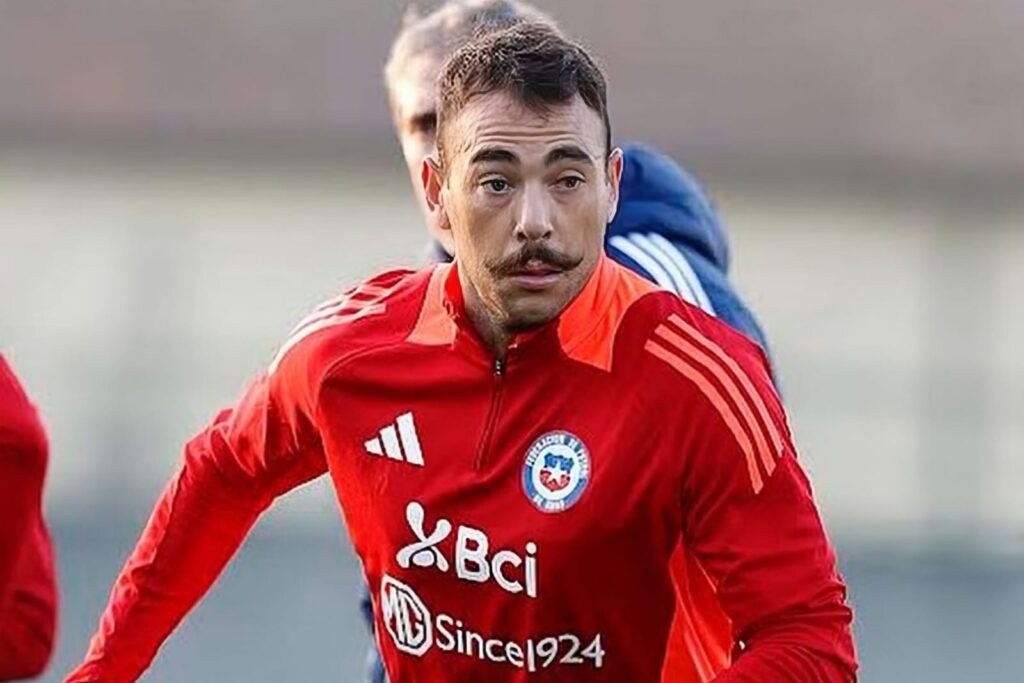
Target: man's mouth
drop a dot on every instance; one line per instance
(536, 275)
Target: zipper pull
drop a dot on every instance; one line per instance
(499, 366)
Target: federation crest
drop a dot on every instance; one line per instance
(556, 471)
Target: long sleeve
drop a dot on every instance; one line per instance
(28, 602)
(29, 624)
(752, 523)
(265, 446)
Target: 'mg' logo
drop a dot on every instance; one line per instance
(406, 618)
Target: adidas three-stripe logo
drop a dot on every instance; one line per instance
(398, 441)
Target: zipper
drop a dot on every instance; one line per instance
(497, 384)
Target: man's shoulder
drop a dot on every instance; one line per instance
(378, 311)
(673, 343)
(677, 266)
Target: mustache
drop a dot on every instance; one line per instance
(531, 253)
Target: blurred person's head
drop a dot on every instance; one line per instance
(419, 51)
(524, 180)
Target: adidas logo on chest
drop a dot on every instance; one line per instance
(397, 441)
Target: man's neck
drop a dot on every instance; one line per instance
(492, 333)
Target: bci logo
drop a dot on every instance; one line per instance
(473, 562)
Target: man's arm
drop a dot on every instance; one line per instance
(29, 624)
(264, 446)
(28, 602)
(750, 518)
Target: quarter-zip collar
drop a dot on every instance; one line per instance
(575, 323)
(585, 331)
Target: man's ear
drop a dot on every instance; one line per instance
(432, 175)
(614, 178)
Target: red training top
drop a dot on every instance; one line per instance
(523, 519)
(28, 596)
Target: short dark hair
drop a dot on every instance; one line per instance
(532, 61)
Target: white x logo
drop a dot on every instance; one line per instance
(423, 553)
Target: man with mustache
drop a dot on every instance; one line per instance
(443, 402)
(665, 229)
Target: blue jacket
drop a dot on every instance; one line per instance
(666, 230)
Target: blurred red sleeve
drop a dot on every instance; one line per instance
(28, 596)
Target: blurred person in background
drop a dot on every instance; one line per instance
(666, 230)
(28, 594)
(531, 304)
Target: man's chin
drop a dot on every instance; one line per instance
(533, 311)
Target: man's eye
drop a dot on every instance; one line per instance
(496, 185)
(571, 182)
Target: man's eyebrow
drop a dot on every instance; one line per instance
(495, 154)
(567, 152)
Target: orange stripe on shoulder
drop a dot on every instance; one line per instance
(434, 327)
(702, 359)
(364, 300)
(748, 386)
(588, 327)
(717, 401)
(354, 299)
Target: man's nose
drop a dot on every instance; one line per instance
(533, 221)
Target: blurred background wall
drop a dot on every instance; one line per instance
(180, 181)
